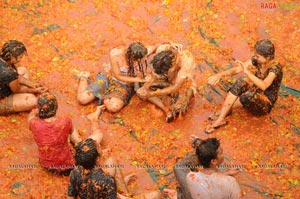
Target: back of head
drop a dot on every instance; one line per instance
(47, 105)
(12, 48)
(206, 150)
(265, 48)
(163, 61)
(86, 153)
(136, 51)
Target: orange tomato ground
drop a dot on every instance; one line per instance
(63, 35)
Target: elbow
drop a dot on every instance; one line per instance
(264, 87)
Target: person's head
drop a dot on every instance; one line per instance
(163, 61)
(47, 106)
(13, 51)
(209, 152)
(264, 51)
(135, 53)
(86, 153)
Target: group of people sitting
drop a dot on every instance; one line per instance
(165, 76)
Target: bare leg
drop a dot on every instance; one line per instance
(237, 104)
(148, 195)
(97, 133)
(229, 101)
(113, 104)
(24, 101)
(158, 102)
(75, 137)
(113, 170)
(215, 115)
(83, 96)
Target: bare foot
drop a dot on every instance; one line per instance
(80, 74)
(216, 114)
(170, 116)
(217, 124)
(171, 193)
(129, 178)
(95, 115)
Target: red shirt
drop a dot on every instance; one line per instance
(52, 141)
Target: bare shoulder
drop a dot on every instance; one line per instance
(162, 47)
(117, 51)
(186, 54)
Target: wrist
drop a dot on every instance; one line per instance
(246, 71)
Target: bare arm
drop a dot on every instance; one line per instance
(114, 58)
(32, 114)
(262, 84)
(168, 90)
(163, 46)
(16, 87)
(213, 80)
(27, 82)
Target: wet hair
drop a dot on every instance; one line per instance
(12, 48)
(206, 150)
(135, 52)
(163, 61)
(265, 48)
(47, 105)
(86, 153)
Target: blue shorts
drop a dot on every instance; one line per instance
(105, 87)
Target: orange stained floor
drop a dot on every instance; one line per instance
(78, 34)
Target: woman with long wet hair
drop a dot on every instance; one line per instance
(256, 90)
(16, 89)
(115, 88)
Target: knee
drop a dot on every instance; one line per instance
(31, 101)
(22, 71)
(113, 104)
(83, 100)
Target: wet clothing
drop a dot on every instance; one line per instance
(213, 186)
(257, 101)
(105, 86)
(7, 75)
(181, 99)
(6, 105)
(93, 183)
(52, 141)
(181, 170)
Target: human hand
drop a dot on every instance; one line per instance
(143, 93)
(213, 80)
(195, 92)
(177, 46)
(193, 137)
(245, 66)
(148, 78)
(34, 112)
(40, 89)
